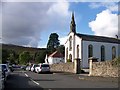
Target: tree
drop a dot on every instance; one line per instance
(40, 57)
(61, 49)
(53, 42)
(5, 55)
(12, 56)
(24, 57)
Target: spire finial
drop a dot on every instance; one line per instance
(72, 15)
(73, 25)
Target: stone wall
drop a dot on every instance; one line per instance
(107, 68)
(63, 67)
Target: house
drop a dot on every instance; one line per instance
(55, 57)
(85, 46)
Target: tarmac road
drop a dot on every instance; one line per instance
(53, 81)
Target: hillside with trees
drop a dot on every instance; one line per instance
(22, 55)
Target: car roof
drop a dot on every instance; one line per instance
(3, 64)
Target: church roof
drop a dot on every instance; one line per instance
(56, 54)
(98, 38)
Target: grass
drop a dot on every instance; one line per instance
(116, 62)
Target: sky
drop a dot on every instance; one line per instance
(31, 23)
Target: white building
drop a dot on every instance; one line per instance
(84, 46)
(55, 57)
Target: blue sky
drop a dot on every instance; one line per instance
(30, 24)
(83, 15)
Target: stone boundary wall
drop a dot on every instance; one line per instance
(63, 67)
(104, 69)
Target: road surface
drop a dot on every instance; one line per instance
(52, 81)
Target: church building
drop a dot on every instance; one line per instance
(85, 46)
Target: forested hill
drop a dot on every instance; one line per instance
(19, 49)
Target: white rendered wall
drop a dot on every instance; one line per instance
(72, 52)
(78, 42)
(57, 60)
(50, 60)
(97, 51)
(66, 46)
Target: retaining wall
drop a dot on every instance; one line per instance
(107, 68)
(63, 67)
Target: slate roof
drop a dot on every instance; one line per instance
(56, 54)
(98, 38)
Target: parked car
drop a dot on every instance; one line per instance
(16, 66)
(11, 68)
(23, 67)
(2, 79)
(5, 69)
(28, 68)
(42, 68)
(33, 67)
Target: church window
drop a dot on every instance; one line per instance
(70, 43)
(90, 51)
(70, 58)
(77, 51)
(102, 53)
(66, 53)
(113, 52)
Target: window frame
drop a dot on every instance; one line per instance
(90, 50)
(70, 43)
(77, 51)
(113, 52)
(102, 53)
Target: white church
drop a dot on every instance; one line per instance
(85, 46)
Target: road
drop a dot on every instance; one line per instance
(27, 80)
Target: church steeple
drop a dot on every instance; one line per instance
(72, 24)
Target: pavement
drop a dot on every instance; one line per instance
(85, 76)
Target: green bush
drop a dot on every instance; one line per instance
(68, 60)
(116, 62)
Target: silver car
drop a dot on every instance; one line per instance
(6, 69)
(2, 79)
(42, 68)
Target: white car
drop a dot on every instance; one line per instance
(42, 68)
(6, 69)
(27, 68)
(33, 67)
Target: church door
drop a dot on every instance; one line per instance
(70, 57)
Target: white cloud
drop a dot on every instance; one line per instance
(105, 24)
(37, 0)
(119, 25)
(59, 8)
(24, 22)
(44, 46)
(63, 40)
(112, 6)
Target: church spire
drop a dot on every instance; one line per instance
(72, 24)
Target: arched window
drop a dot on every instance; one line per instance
(102, 53)
(113, 52)
(70, 57)
(70, 43)
(66, 53)
(90, 51)
(77, 51)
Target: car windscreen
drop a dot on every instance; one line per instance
(37, 65)
(44, 65)
(4, 67)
